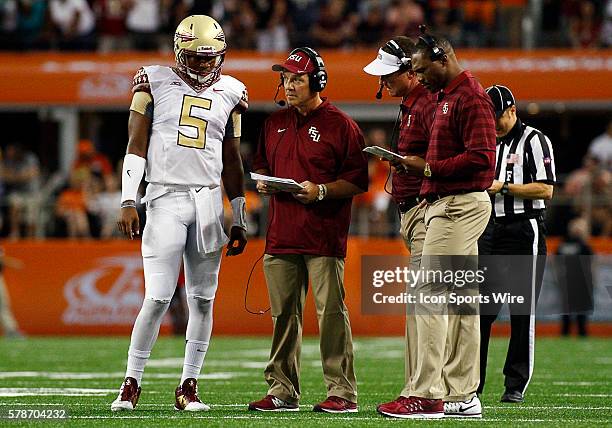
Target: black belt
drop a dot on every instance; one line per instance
(433, 197)
(512, 218)
(407, 204)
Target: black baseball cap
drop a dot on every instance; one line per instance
(502, 98)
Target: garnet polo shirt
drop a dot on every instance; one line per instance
(322, 147)
(461, 151)
(417, 115)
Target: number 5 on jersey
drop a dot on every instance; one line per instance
(186, 119)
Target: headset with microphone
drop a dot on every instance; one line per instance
(280, 103)
(437, 53)
(398, 52)
(317, 79)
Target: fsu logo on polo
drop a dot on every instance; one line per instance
(445, 108)
(314, 134)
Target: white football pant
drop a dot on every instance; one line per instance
(170, 233)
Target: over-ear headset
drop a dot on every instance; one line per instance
(437, 53)
(317, 79)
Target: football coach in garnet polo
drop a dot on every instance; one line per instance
(317, 145)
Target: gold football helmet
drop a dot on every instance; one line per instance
(199, 48)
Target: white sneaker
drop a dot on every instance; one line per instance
(463, 409)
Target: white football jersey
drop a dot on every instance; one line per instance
(188, 128)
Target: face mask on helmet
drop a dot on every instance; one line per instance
(203, 68)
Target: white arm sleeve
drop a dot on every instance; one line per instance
(133, 170)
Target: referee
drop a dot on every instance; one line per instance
(524, 178)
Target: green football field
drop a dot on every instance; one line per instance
(571, 386)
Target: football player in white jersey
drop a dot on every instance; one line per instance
(184, 133)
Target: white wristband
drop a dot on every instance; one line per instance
(239, 212)
(133, 169)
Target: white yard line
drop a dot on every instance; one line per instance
(61, 375)
(115, 375)
(523, 407)
(577, 395)
(27, 392)
(562, 383)
(259, 365)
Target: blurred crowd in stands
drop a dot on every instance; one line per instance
(84, 204)
(275, 25)
(583, 195)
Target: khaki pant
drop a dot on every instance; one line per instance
(412, 229)
(448, 346)
(287, 280)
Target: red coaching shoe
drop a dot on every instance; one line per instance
(270, 403)
(187, 397)
(335, 404)
(412, 408)
(128, 395)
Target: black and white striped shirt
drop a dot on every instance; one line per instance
(523, 156)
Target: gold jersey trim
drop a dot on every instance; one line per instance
(236, 120)
(142, 103)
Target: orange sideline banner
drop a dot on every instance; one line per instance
(106, 79)
(96, 288)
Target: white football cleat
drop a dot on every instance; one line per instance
(187, 397)
(463, 409)
(128, 395)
